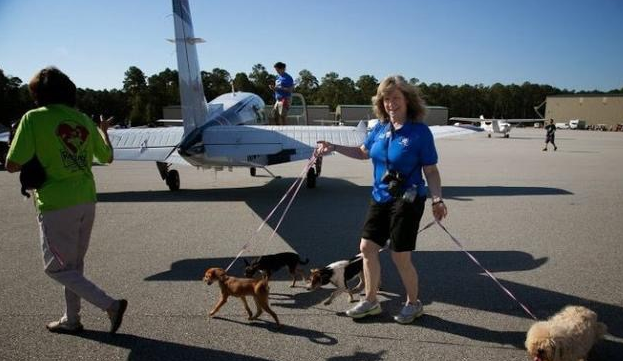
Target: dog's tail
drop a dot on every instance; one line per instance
(305, 262)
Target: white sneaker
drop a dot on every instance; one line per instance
(410, 312)
(364, 308)
(64, 326)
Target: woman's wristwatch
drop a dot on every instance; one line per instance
(437, 200)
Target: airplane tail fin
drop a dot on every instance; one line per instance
(194, 106)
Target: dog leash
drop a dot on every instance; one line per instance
(298, 181)
(458, 243)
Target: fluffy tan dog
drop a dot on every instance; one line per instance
(566, 336)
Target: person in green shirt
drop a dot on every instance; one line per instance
(65, 141)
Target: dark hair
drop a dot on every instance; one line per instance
(52, 86)
(280, 65)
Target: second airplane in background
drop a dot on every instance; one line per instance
(498, 126)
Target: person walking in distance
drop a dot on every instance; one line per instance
(550, 134)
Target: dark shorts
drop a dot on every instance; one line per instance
(398, 221)
(549, 138)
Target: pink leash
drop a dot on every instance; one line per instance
(298, 181)
(458, 243)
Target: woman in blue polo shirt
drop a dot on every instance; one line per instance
(401, 148)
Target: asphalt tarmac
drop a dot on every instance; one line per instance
(549, 225)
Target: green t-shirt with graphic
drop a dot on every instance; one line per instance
(65, 141)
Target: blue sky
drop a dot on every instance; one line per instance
(568, 44)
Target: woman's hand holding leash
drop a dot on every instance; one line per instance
(324, 147)
(104, 124)
(439, 209)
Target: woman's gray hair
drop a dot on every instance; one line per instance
(416, 108)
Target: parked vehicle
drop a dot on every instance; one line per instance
(562, 126)
(577, 124)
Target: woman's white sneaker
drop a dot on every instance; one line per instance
(410, 312)
(364, 308)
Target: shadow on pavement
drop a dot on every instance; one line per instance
(147, 349)
(312, 335)
(359, 356)
(324, 225)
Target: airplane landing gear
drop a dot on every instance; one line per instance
(171, 177)
(253, 171)
(173, 180)
(489, 135)
(507, 135)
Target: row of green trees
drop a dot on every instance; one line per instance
(142, 97)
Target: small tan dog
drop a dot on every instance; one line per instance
(566, 336)
(240, 287)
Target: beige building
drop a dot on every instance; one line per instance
(593, 108)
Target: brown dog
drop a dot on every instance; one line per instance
(240, 287)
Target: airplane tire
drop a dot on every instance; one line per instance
(311, 178)
(489, 135)
(252, 171)
(173, 180)
(507, 135)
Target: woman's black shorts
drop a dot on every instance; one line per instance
(397, 220)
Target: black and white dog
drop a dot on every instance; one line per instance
(338, 273)
(272, 263)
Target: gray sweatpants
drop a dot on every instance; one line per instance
(65, 235)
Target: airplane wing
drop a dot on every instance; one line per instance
(278, 143)
(246, 145)
(511, 121)
(442, 131)
(466, 120)
(147, 144)
(517, 121)
(294, 142)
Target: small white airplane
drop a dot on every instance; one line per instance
(227, 131)
(499, 126)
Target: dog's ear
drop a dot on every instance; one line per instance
(557, 350)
